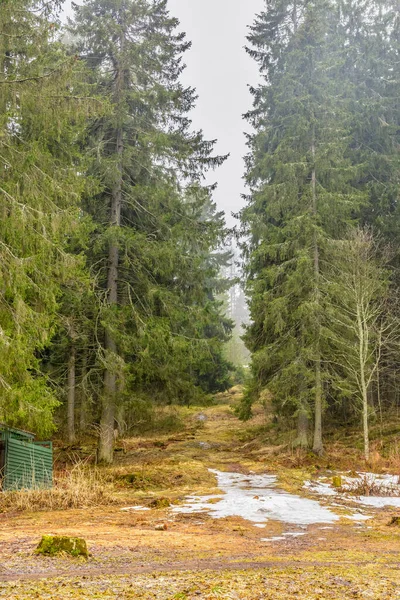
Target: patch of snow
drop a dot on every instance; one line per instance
(358, 517)
(205, 445)
(128, 508)
(388, 484)
(256, 499)
(277, 538)
(201, 417)
(323, 489)
(379, 501)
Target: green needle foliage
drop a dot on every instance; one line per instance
(302, 194)
(154, 251)
(40, 190)
(322, 159)
(112, 249)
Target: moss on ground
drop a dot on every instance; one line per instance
(323, 582)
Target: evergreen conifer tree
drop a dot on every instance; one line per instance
(156, 229)
(40, 187)
(302, 193)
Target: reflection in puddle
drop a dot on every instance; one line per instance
(256, 499)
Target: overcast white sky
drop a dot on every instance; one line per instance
(220, 70)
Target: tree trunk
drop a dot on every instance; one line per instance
(71, 396)
(365, 423)
(318, 447)
(84, 410)
(363, 381)
(121, 424)
(295, 17)
(107, 422)
(302, 429)
(120, 419)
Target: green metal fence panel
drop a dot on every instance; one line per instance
(28, 464)
(7, 433)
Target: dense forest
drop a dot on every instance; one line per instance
(321, 225)
(111, 245)
(196, 405)
(115, 261)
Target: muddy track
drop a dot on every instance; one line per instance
(182, 567)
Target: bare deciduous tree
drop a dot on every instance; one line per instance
(358, 324)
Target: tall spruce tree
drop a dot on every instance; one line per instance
(156, 230)
(302, 193)
(374, 35)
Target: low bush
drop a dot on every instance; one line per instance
(368, 485)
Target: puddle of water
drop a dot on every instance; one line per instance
(256, 499)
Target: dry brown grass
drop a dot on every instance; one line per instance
(367, 485)
(78, 487)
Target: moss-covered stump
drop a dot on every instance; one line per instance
(51, 545)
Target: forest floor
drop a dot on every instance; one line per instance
(197, 556)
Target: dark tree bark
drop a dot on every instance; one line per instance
(302, 429)
(107, 423)
(318, 447)
(71, 396)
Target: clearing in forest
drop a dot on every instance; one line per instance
(205, 514)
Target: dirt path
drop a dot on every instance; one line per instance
(197, 556)
(184, 567)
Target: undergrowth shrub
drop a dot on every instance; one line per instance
(368, 485)
(143, 417)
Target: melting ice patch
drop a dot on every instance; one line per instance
(256, 499)
(318, 487)
(358, 517)
(379, 501)
(389, 487)
(284, 536)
